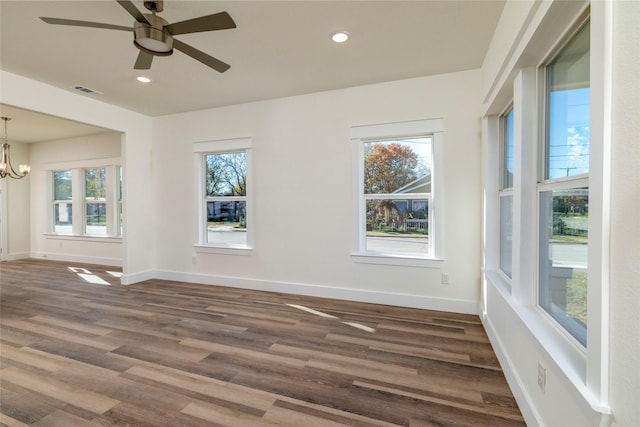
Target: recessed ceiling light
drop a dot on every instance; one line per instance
(340, 36)
(143, 79)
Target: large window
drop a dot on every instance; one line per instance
(224, 194)
(87, 201)
(506, 193)
(564, 188)
(395, 186)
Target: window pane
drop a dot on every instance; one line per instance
(226, 174)
(62, 185)
(96, 217)
(398, 166)
(568, 97)
(506, 230)
(564, 217)
(227, 222)
(507, 167)
(94, 184)
(62, 218)
(397, 226)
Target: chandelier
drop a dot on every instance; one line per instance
(6, 169)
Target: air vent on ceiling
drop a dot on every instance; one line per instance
(86, 90)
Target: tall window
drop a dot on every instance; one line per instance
(506, 193)
(95, 202)
(397, 194)
(396, 182)
(62, 202)
(226, 198)
(564, 188)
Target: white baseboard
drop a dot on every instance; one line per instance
(130, 279)
(113, 262)
(16, 255)
(349, 294)
(531, 417)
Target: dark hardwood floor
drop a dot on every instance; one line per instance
(79, 349)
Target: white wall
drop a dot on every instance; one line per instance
(518, 345)
(304, 193)
(625, 199)
(138, 239)
(79, 249)
(16, 210)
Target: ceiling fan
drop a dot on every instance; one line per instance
(154, 36)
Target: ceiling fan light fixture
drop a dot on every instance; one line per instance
(154, 41)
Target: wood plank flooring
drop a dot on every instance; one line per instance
(79, 349)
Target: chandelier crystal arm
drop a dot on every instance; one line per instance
(6, 168)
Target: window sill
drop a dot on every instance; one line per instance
(83, 238)
(388, 259)
(564, 352)
(223, 250)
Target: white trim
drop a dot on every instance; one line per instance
(131, 278)
(114, 262)
(392, 259)
(200, 149)
(223, 145)
(83, 238)
(389, 130)
(82, 164)
(333, 292)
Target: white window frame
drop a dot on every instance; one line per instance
(586, 370)
(77, 168)
(367, 133)
(200, 150)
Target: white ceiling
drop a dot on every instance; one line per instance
(279, 48)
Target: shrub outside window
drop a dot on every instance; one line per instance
(62, 202)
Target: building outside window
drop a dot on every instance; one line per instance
(563, 191)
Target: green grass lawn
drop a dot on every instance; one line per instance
(577, 295)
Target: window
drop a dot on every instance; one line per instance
(62, 206)
(396, 187)
(506, 193)
(226, 198)
(92, 195)
(224, 193)
(563, 192)
(95, 206)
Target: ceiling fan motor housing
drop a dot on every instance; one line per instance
(153, 39)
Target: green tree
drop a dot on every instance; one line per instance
(388, 167)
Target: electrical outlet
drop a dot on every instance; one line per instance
(542, 377)
(194, 259)
(445, 279)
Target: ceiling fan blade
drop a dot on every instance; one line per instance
(218, 21)
(133, 11)
(143, 62)
(212, 62)
(73, 22)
